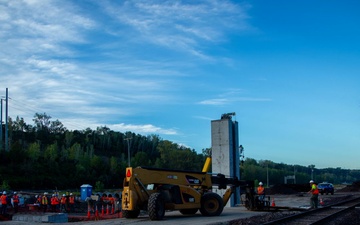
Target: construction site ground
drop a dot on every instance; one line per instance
(300, 200)
(230, 215)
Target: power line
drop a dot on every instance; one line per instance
(37, 110)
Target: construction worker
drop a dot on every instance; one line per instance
(111, 202)
(104, 198)
(37, 202)
(44, 202)
(54, 203)
(72, 202)
(314, 195)
(261, 191)
(4, 202)
(117, 203)
(63, 202)
(15, 201)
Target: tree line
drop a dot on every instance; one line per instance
(275, 173)
(46, 155)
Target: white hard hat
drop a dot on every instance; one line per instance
(260, 183)
(36, 196)
(311, 181)
(15, 193)
(64, 195)
(70, 193)
(4, 192)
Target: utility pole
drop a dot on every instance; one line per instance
(267, 175)
(6, 122)
(128, 143)
(1, 135)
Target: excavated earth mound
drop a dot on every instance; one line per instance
(287, 189)
(355, 186)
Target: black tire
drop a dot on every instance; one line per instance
(211, 204)
(188, 211)
(130, 214)
(156, 206)
(250, 202)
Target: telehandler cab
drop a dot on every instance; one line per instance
(157, 190)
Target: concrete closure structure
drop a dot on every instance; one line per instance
(225, 152)
(290, 177)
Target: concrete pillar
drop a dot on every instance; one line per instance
(225, 152)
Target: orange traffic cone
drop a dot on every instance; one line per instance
(112, 209)
(120, 214)
(107, 209)
(321, 201)
(96, 213)
(273, 202)
(88, 213)
(102, 210)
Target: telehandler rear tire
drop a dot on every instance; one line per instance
(130, 214)
(211, 204)
(156, 206)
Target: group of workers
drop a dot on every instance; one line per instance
(314, 191)
(65, 203)
(5, 200)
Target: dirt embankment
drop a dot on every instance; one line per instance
(287, 189)
(355, 186)
(296, 188)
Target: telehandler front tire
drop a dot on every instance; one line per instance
(156, 206)
(130, 214)
(211, 204)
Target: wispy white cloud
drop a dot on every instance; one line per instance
(226, 101)
(215, 101)
(204, 118)
(116, 59)
(142, 129)
(231, 95)
(178, 25)
(31, 27)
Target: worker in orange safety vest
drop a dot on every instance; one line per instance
(54, 201)
(4, 202)
(72, 202)
(314, 195)
(261, 191)
(15, 201)
(37, 202)
(63, 203)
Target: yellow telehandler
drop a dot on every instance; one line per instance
(157, 190)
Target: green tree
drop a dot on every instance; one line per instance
(34, 151)
(57, 127)
(42, 122)
(140, 159)
(51, 152)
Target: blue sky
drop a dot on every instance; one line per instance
(289, 69)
